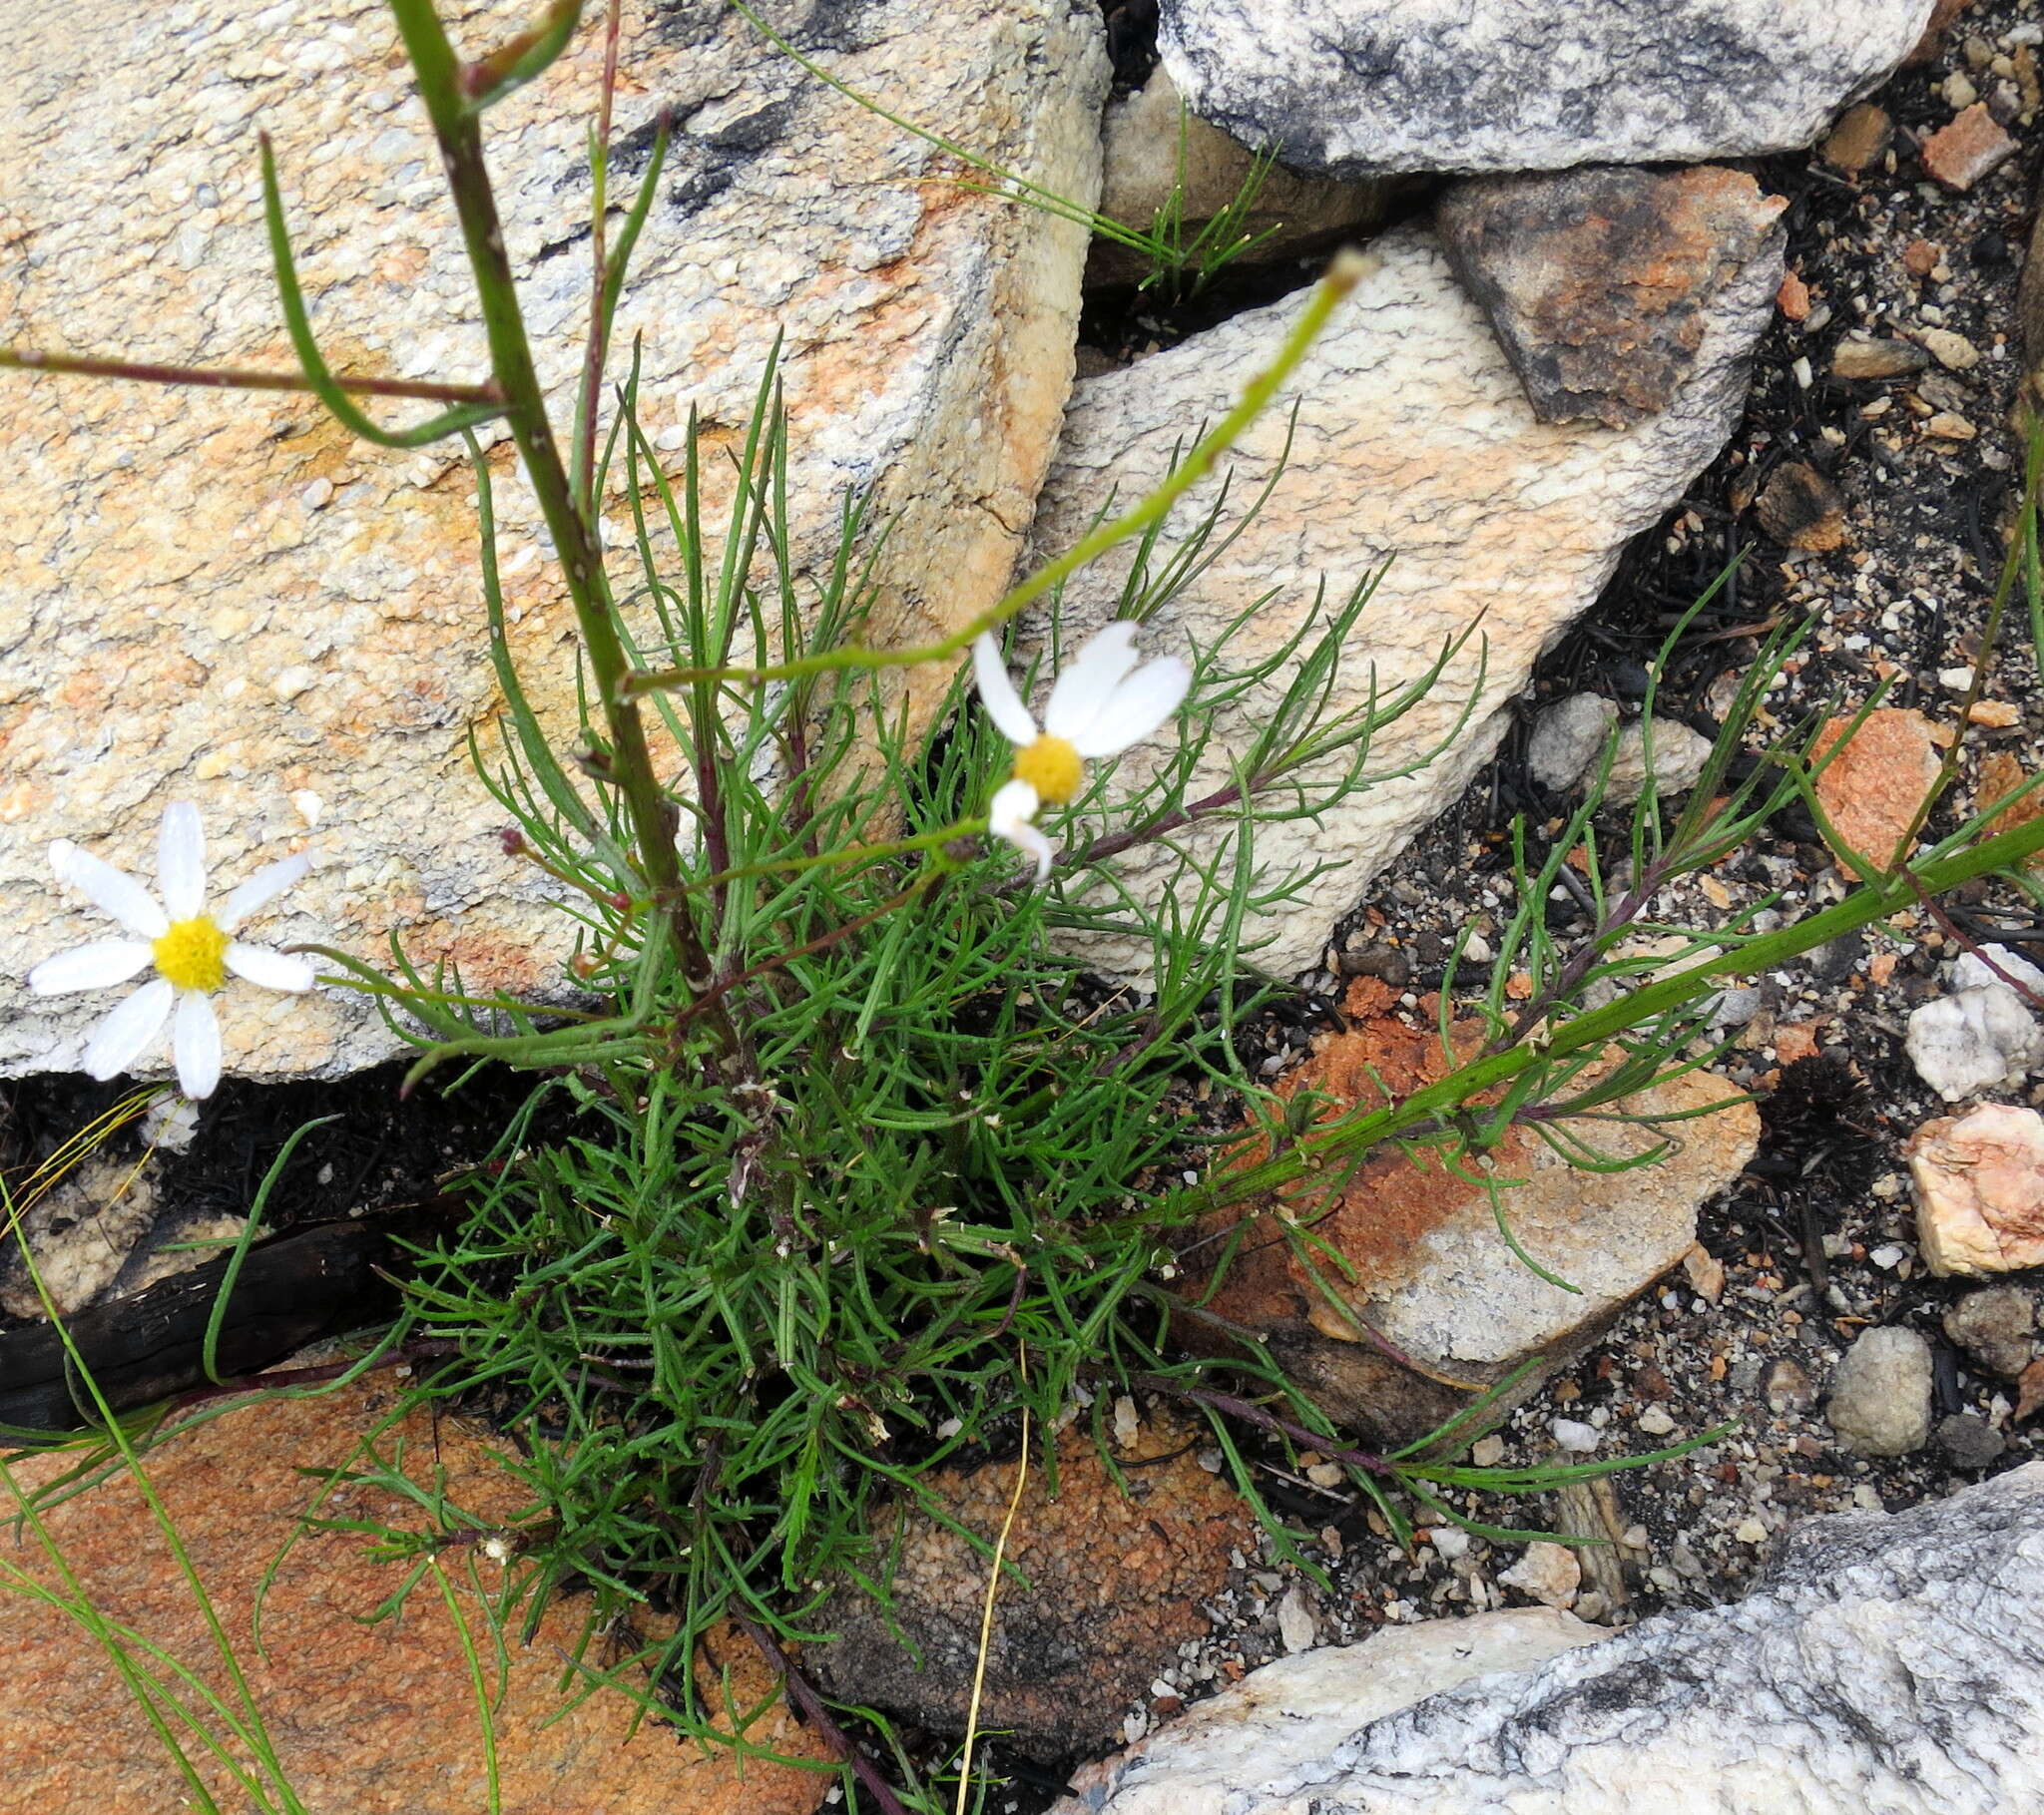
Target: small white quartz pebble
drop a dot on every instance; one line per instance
(1572, 1434)
(1126, 1425)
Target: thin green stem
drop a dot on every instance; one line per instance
(1355, 1132)
(583, 464)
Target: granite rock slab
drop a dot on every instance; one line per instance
(1881, 1662)
(221, 597)
(1414, 456)
(1351, 87)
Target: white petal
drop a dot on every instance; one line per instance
(194, 1041)
(118, 1040)
(997, 693)
(1036, 844)
(262, 889)
(97, 966)
(1141, 704)
(1014, 804)
(272, 970)
(109, 890)
(180, 861)
(1089, 680)
(1008, 816)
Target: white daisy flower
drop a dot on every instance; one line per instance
(193, 951)
(1102, 704)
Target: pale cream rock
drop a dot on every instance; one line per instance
(1414, 446)
(1974, 1040)
(1153, 146)
(1680, 756)
(1881, 1398)
(1549, 1572)
(1980, 1184)
(1296, 1622)
(223, 597)
(79, 1233)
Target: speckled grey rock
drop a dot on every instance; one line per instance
(1996, 1326)
(1879, 1403)
(223, 597)
(1970, 1441)
(1296, 1709)
(1679, 756)
(1567, 738)
(1890, 1662)
(1352, 86)
(1414, 446)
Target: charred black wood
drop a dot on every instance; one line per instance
(291, 1289)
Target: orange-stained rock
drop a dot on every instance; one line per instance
(1861, 135)
(1872, 790)
(1115, 1583)
(1420, 1256)
(366, 1719)
(1802, 509)
(2001, 775)
(1794, 1041)
(1942, 16)
(1599, 281)
(1979, 1182)
(1973, 146)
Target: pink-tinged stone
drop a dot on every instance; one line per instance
(1973, 146)
(1979, 1182)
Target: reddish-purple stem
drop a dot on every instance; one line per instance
(224, 377)
(1238, 1407)
(1952, 930)
(277, 1379)
(805, 1697)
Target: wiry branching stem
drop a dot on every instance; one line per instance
(458, 131)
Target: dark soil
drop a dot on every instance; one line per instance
(373, 1152)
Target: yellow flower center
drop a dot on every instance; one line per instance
(192, 955)
(1052, 768)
